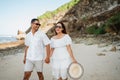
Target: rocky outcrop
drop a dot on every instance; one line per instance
(20, 35)
(87, 13)
(47, 24)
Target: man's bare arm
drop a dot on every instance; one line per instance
(24, 60)
(47, 60)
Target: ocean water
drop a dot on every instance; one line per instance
(5, 39)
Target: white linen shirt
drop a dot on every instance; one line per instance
(36, 45)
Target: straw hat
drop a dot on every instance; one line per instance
(75, 70)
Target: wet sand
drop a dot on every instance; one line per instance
(99, 64)
(11, 48)
(11, 44)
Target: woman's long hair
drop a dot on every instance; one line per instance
(63, 26)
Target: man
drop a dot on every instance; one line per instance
(35, 42)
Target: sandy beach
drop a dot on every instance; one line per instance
(99, 64)
(11, 44)
(11, 48)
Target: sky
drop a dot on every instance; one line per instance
(16, 14)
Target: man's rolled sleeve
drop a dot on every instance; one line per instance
(46, 40)
(27, 42)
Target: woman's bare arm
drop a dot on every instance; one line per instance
(51, 51)
(71, 53)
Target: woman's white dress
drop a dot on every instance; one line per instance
(60, 58)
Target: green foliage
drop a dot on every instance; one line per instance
(95, 30)
(114, 21)
(91, 29)
(64, 7)
(84, 18)
(100, 30)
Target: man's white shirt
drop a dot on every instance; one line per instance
(36, 44)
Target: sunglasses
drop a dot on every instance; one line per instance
(37, 24)
(58, 26)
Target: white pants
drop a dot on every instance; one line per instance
(30, 65)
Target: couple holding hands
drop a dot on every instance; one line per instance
(58, 49)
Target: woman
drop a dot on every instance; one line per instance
(61, 52)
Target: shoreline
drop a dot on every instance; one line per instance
(11, 44)
(102, 41)
(10, 48)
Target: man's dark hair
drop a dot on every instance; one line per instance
(34, 19)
